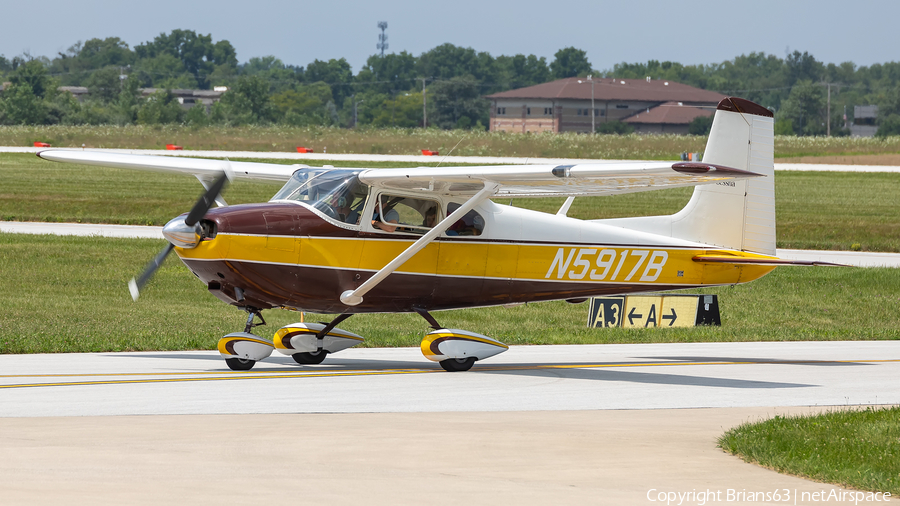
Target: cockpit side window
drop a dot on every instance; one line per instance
(405, 214)
(471, 223)
(336, 193)
(345, 203)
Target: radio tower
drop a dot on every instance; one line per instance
(382, 37)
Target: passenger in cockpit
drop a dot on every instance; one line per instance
(430, 217)
(380, 219)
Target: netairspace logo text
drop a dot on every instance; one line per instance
(782, 495)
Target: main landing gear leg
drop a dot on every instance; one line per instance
(316, 357)
(428, 318)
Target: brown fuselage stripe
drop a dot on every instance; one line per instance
(319, 289)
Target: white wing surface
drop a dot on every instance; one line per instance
(554, 180)
(513, 180)
(202, 168)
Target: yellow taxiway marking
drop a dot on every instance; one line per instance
(236, 376)
(228, 375)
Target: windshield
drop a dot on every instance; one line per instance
(335, 192)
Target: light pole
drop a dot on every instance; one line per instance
(424, 111)
(355, 116)
(593, 126)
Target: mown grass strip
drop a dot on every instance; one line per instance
(69, 294)
(410, 141)
(851, 448)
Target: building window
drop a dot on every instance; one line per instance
(548, 111)
(528, 111)
(501, 110)
(579, 112)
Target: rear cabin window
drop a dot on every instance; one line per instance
(471, 223)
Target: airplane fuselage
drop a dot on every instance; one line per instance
(288, 254)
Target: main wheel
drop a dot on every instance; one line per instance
(239, 364)
(304, 358)
(457, 364)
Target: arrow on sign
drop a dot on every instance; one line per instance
(632, 316)
(672, 317)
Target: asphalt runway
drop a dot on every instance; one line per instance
(596, 424)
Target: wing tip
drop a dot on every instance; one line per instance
(696, 168)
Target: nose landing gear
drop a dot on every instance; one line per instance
(242, 350)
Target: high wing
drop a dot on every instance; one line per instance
(512, 181)
(554, 180)
(204, 169)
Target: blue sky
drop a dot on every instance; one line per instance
(689, 31)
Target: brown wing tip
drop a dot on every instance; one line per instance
(704, 168)
(735, 104)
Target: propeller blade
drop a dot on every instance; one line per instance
(135, 285)
(206, 200)
(197, 213)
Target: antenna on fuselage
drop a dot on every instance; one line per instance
(448, 153)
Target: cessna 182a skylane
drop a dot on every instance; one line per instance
(347, 241)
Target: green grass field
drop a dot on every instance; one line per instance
(814, 210)
(69, 294)
(854, 448)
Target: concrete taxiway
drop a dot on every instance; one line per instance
(598, 424)
(526, 378)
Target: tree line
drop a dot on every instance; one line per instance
(388, 90)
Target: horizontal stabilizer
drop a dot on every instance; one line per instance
(727, 259)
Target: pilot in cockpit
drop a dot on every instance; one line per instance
(348, 205)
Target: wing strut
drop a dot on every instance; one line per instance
(355, 297)
(564, 210)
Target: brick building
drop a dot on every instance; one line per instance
(565, 105)
(187, 98)
(668, 118)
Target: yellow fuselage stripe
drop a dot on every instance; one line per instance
(651, 265)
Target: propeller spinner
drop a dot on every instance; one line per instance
(182, 232)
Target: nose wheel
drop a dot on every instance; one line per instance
(239, 364)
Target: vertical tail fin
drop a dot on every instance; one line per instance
(736, 215)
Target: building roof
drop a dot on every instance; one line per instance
(75, 90)
(607, 88)
(865, 111)
(670, 113)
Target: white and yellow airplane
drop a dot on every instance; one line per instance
(348, 241)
